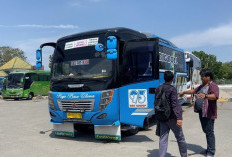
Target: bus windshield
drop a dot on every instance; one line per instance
(15, 80)
(81, 62)
(83, 68)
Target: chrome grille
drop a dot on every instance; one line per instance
(77, 105)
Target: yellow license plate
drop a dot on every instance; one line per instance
(74, 115)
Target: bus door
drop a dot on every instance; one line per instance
(139, 77)
(181, 85)
(196, 78)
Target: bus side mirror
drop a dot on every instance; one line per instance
(38, 59)
(112, 52)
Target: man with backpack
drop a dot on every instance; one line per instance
(169, 116)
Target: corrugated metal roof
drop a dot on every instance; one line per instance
(16, 63)
(2, 74)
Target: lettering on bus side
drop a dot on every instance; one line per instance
(167, 58)
(108, 137)
(72, 96)
(137, 98)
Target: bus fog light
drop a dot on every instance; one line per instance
(102, 116)
(60, 104)
(53, 115)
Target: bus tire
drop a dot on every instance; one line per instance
(132, 131)
(30, 96)
(146, 124)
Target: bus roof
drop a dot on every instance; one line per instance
(191, 55)
(167, 43)
(119, 30)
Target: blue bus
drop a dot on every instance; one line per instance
(106, 78)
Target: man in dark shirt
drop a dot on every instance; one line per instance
(175, 120)
(206, 105)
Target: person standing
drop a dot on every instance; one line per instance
(206, 105)
(174, 122)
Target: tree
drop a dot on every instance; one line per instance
(7, 53)
(227, 70)
(50, 61)
(210, 62)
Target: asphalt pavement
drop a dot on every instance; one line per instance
(25, 131)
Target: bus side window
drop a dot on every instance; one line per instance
(47, 77)
(42, 77)
(34, 77)
(28, 81)
(138, 68)
(144, 64)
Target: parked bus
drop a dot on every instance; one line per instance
(193, 70)
(26, 84)
(1, 79)
(106, 78)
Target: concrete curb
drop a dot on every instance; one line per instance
(225, 86)
(39, 97)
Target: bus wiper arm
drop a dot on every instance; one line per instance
(91, 79)
(64, 80)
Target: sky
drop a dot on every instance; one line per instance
(193, 25)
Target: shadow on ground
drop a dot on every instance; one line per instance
(195, 149)
(155, 153)
(88, 136)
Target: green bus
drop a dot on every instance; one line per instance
(26, 84)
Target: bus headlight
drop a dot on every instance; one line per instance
(60, 104)
(106, 98)
(50, 101)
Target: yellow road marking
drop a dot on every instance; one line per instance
(222, 100)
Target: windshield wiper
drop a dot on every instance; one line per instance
(76, 80)
(91, 79)
(12, 86)
(68, 79)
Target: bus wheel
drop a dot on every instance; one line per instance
(146, 124)
(30, 96)
(132, 131)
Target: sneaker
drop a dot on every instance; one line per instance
(209, 155)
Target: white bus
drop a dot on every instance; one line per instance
(193, 64)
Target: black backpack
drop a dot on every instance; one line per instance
(162, 105)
